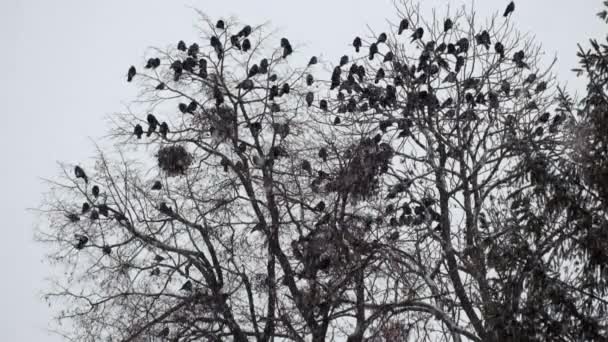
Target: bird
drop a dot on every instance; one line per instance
(264, 66)
(335, 78)
(193, 50)
(285, 42)
(403, 25)
(163, 129)
(388, 57)
(417, 34)
(505, 87)
(379, 75)
(160, 86)
(94, 215)
(337, 120)
(343, 60)
(152, 63)
(323, 153)
(510, 8)
(287, 51)
(500, 49)
(323, 105)
(220, 25)
(187, 286)
(163, 333)
(310, 97)
(253, 71)
(181, 46)
(285, 89)
(320, 206)
(447, 25)
(382, 38)
(544, 118)
(246, 45)
(95, 191)
(245, 32)
(313, 61)
(79, 173)
(131, 73)
(85, 207)
(373, 50)
(530, 79)
(138, 131)
(157, 185)
(542, 86)
(309, 79)
(463, 45)
(165, 209)
(81, 241)
(306, 166)
(234, 40)
(103, 210)
(357, 44)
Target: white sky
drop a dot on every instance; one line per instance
(64, 64)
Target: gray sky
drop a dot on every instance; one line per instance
(64, 72)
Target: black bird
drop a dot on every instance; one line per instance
(181, 46)
(459, 63)
(274, 91)
(544, 118)
(81, 241)
(285, 89)
(388, 57)
(95, 191)
(417, 34)
(323, 105)
(373, 50)
(254, 70)
(234, 40)
(187, 286)
(165, 209)
(245, 32)
(285, 42)
(382, 38)
(320, 206)
(73, 217)
(337, 120)
(164, 332)
(220, 25)
(379, 75)
(264, 66)
(85, 207)
(160, 86)
(335, 78)
(505, 87)
(483, 39)
(452, 49)
(94, 215)
(310, 97)
(309, 79)
(323, 154)
(530, 79)
(246, 45)
(79, 172)
(183, 108)
(510, 8)
(313, 61)
(153, 63)
(157, 185)
(403, 26)
(193, 50)
(447, 25)
(273, 78)
(500, 49)
(131, 73)
(163, 129)
(357, 44)
(287, 51)
(138, 131)
(542, 86)
(103, 210)
(463, 45)
(343, 60)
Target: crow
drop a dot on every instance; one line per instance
(373, 50)
(417, 34)
(152, 64)
(234, 40)
(357, 44)
(254, 70)
(463, 45)
(220, 25)
(193, 50)
(388, 57)
(447, 25)
(181, 46)
(285, 42)
(382, 38)
(323, 105)
(309, 80)
(313, 61)
(379, 75)
(245, 32)
(81, 241)
(510, 8)
(310, 97)
(287, 50)
(160, 86)
(187, 286)
(264, 66)
(285, 89)
(164, 129)
(500, 49)
(131, 73)
(79, 173)
(403, 26)
(323, 154)
(85, 207)
(157, 185)
(94, 215)
(530, 79)
(95, 191)
(343, 60)
(544, 118)
(505, 87)
(306, 166)
(165, 209)
(335, 78)
(542, 86)
(337, 120)
(138, 131)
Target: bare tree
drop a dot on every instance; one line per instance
(411, 196)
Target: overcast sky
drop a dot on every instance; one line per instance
(63, 71)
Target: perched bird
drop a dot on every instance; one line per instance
(309, 79)
(323, 105)
(138, 131)
(530, 79)
(187, 286)
(94, 215)
(382, 38)
(131, 73)
(253, 71)
(160, 86)
(79, 173)
(510, 8)
(85, 207)
(463, 45)
(246, 45)
(417, 34)
(542, 86)
(285, 42)
(157, 185)
(323, 154)
(181, 46)
(403, 25)
(264, 65)
(95, 191)
(287, 51)
(163, 129)
(313, 61)
(388, 57)
(310, 97)
(505, 87)
(220, 25)
(447, 25)
(153, 63)
(164, 333)
(245, 32)
(335, 78)
(343, 60)
(285, 89)
(320, 206)
(81, 241)
(337, 120)
(500, 49)
(379, 75)
(357, 44)
(193, 50)
(234, 40)
(165, 209)
(544, 118)
(373, 50)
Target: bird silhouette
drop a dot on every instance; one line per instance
(323, 105)
(157, 185)
(463, 45)
(500, 49)
(323, 153)
(403, 25)
(357, 44)
(193, 50)
(287, 51)
(245, 32)
(181, 46)
(337, 120)
(309, 80)
(544, 118)
(85, 207)
(313, 61)
(160, 86)
(131, 73)
(373, 50)
(382, 38)
(379, 75)
(417, 34)
(234, 40)
(153, 63)
(138, 131)
(530, 79)
(220, 25)
(510, 8)
(187, 286)
(163, 333)
(542, 86)
(94, 215)
(79, 173)
(335, 78)
(163, 129)
(447, 25)
(306, 166)
(81, 241)
(320, 206)
(310, 97)
(343, 60)
(264, 66)
(254, 70)
(285, 89)
(165, 209)
(95, 191)
(388, 57)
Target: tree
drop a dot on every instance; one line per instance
(423, 191)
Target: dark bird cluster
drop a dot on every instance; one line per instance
(153, 63)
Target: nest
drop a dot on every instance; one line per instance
(217, 120)
(174, 160)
